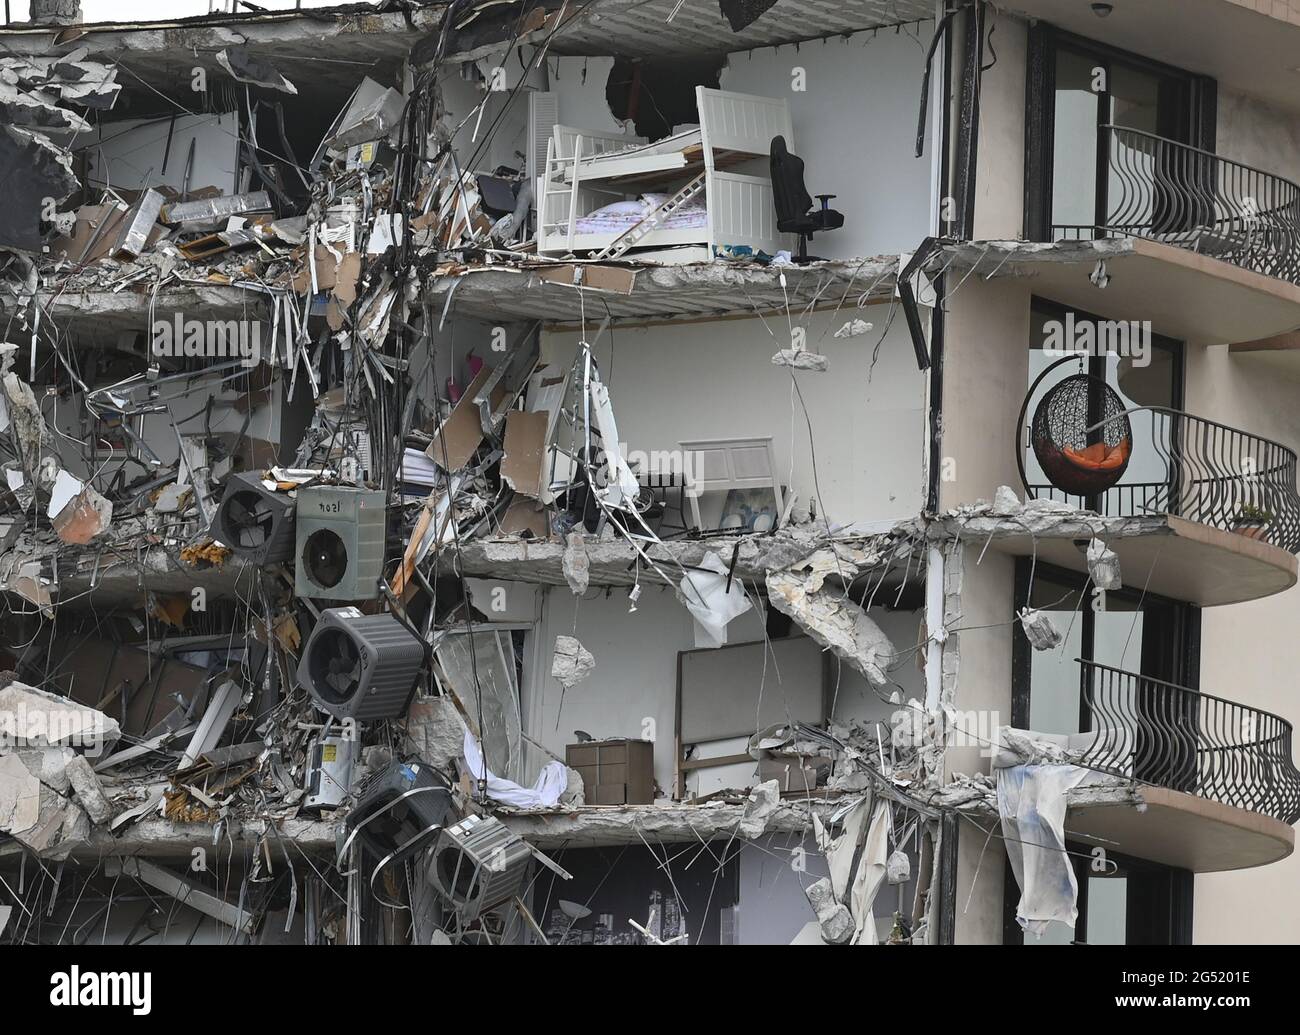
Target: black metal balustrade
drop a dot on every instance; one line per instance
(1200, 470)
(1190, 198)
(1164, 734)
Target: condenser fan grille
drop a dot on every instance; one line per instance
(249, 520)
(335, 666)
(325, 557)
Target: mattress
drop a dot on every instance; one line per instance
(623, 215)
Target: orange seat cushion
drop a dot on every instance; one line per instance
(1098, 456)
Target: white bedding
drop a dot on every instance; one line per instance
(622, 215)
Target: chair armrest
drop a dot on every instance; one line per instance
(826, 199)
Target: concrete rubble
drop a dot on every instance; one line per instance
(297, 439)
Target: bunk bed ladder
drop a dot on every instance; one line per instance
(629, 237)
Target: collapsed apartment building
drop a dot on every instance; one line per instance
(447, 503)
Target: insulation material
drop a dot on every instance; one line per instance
(1032, 803)
(713, 599)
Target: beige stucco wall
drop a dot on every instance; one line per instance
(1258, 134)
(1000, 168)
(984, 689)
(1250, 652)
(986, 372)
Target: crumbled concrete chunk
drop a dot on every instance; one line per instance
(87, 515)
(89, 791)
(833, 917)
(853, 329)
(1005, 501)
(763, 801)
(898, 868)
(33, 718)
(572, 662)
(1040, 630)
(1103, 565)
(831, 618)
(800, 359)
(20, 796)
(576, 564)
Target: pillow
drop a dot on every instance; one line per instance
(620, 208)
(1099, 457)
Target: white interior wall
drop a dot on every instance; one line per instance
(129, 153)
(682, 382)
(855, 128)
(476, 135)
(579, 83)
(633, 688)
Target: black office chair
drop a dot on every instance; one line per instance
(794, 208)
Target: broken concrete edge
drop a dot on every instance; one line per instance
(210, 32)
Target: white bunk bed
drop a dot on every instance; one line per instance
(603, 193)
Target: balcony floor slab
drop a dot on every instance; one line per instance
(1182, 830)
(1169, 556)
(1185, 295)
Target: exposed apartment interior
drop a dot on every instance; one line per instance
(604, 472)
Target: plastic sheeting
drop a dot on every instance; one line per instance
(1032, 804)
(711, 602)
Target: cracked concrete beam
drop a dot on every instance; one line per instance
(635, 824)
(612, 562)
(162, 838)
(831, 618)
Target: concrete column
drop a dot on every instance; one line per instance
(56, 12)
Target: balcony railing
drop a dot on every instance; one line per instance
(1160, 733)
(1203, 471)
(1180, 195)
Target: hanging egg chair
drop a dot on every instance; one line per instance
(1080, 434)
